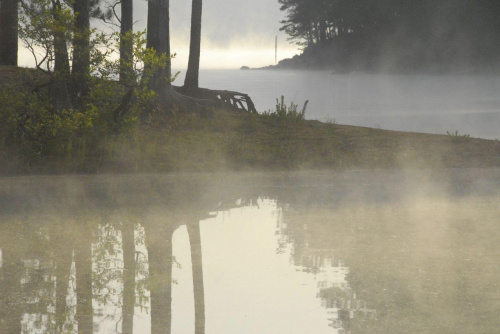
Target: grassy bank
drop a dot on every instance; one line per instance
(235, 141)
(240, 141)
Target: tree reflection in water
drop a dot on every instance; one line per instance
(47, 265)
(107, 255)
(85, 265)
(421, 253)
(314, 252)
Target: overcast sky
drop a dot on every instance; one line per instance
(234, 32)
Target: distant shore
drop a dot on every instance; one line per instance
(328, 59)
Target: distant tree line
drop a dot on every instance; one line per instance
(396, 34)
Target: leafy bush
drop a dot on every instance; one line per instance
(30, 125)
(290, 112)
(456, 134)
(456, 137)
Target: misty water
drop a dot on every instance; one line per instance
(466, 103)
(337, 252)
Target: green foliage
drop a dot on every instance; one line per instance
(330, 120)
(456, 134)
(31, 126)
(456, 137)
(290, 112)
(39, 21)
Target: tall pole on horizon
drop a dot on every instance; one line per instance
(276, 50)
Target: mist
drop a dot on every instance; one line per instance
(362, 250)
(207, 218)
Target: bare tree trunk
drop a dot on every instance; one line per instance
(322, 30)
(83, 266)
(129, 269)
(160, 277)
(158, 38)
(197, 268)
(193, 70)
(59, 89)
(126, 42)
(8, 32)
(81, 52)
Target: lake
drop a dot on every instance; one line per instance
(469, 104)
(325, 252)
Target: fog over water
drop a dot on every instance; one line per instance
(468, 104)
(324, 252)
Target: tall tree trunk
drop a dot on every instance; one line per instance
(81, 52)
(8, 32)
(159, 248)
(59, 89)
(322, 30)
(83, 266)
(129, 269)
(193, 70)
(126, 42)
(158, 38)
(310, 39)
(197, 268)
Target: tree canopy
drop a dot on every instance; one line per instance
(402, 34)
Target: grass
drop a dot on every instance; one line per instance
(240, 141)
(235, 141)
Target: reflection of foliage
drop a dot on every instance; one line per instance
(333, 293)
(142, 270)
(108, 271)
(108, 266)
(37, 279)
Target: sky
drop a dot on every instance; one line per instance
(235, 33)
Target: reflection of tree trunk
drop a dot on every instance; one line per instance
(128, 242)
(160, 278)
(197, 267)
(83, 266)
(3, 290)
(10, 295)
(64, 256)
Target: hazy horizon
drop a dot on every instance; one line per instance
(243, 37)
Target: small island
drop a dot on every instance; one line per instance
(396, 37)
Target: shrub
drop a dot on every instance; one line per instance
(290, 112)
(456, 137)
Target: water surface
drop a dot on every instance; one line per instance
(421, 103)
(352, 252)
